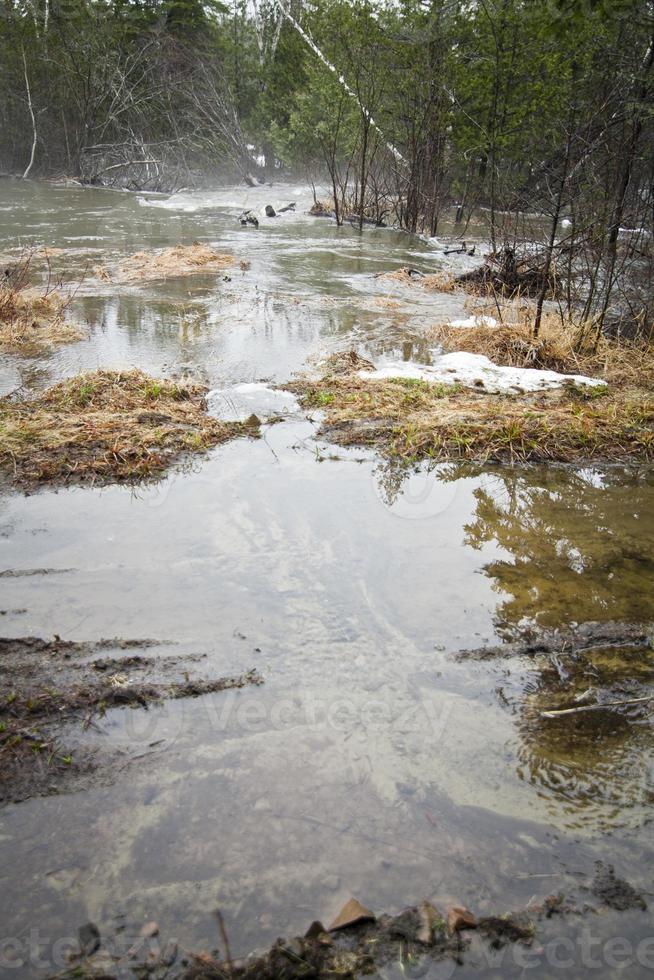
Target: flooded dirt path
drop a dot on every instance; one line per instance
(373, 761)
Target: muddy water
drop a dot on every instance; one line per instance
(373, 761)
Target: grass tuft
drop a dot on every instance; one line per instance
(440, 282)
(167, 263)
(106, 427)
(560, 346)
(33, 322)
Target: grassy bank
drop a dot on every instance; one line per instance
(414, 419)
(106, 427)
(559, 346)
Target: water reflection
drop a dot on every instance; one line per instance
(595, 765)
(306, 288)
(565, 547)
(579, 546)
(341, 586)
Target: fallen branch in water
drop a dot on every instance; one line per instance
(559, 712)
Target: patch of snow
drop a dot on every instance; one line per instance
(475, 321)
(237, 403)
(471, 369)
(635, 231)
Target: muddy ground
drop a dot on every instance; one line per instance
(49, 684)
(230, 542)
(418, 940)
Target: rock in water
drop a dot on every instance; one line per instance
(89, 938)
(459, 918)
(270, 211)
(352, 913)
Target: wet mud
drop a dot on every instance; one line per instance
(50, 683)
(359, 942)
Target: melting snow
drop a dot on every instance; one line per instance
(469, 369)
(475, 321)
(250, 398)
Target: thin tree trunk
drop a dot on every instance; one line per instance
(552, 240)
(393, 150)
(623, 184)
(31, 109)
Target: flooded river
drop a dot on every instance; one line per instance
(375, 760)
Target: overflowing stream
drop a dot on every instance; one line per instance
(374, 761)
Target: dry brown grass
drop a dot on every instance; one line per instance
(167, 263)
(557, 348)
(386, 303)
(416, 420)
(346, 362)
(33, 322)
(320, 209)
(513, 274)
(439, 282)
(107, 427)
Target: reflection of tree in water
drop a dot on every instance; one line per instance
(390, 477)
(580, 547)
(595, 763)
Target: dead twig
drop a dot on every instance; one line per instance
(560, 712)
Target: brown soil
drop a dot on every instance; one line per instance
(167, 263)
(107, 427)
(412, 943)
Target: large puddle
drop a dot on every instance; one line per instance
(373, 761)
